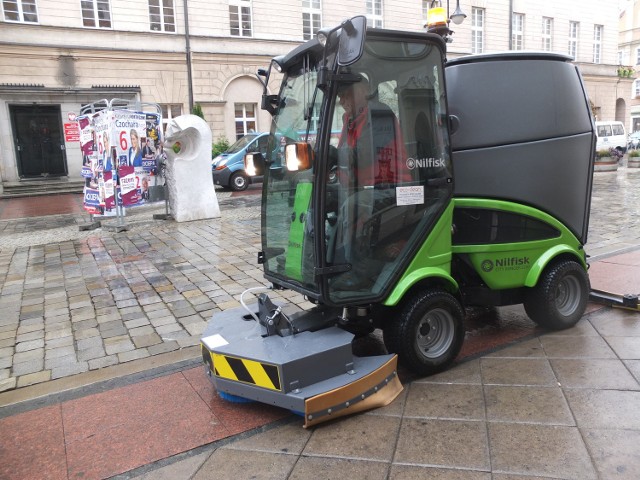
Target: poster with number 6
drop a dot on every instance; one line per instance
(129, 133)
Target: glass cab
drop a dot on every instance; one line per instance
(363, 168)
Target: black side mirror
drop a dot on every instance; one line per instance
(352, 39)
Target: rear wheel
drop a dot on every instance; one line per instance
(560, 298)
(239, 181)
(428, 334)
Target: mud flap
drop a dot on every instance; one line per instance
(311, 372)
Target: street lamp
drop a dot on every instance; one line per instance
(438, 20)
(458, 15)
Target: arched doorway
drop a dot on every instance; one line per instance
(242, 113)
(621, 112)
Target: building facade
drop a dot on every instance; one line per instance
(629, 59)
(58, 55)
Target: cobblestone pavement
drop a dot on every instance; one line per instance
(76, 301)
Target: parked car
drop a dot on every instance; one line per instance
(228, 168)
(611, 134)
(634, 140)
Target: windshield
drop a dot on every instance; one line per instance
(287, 233)
(241, 143)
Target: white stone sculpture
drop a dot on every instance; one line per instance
(192, 195)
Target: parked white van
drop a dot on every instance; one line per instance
(611, 134)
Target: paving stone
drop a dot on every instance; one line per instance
(88, 343)
(115, 331)
(59, 352)
(29, 355)
(103, 362)
(118, 344)
(87, 333)
(30, 345)
(25, 368)
(91, 353)
(133, 355)
(165, 320)
(34, 378)
(196, 328)
(60, 361)
(8, 384)
(163, 347)
(57, 319)
(139, 331)
(27, 337)
(138, 322)
(59, 342)
(189, 341)
(169, 328)
(147, 340)
(164, 312)
(69, 369)
(38, 308)
(126, 303)
(9, 333)
(83, 314)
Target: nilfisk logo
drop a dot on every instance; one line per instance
(424, 162)
(487, 265)
(506, 263)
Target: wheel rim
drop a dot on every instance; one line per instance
(568, 295)
(239, 182)
(435, 333)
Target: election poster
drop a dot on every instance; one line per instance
(129, 191)
(130, 131)
(92, 201)
(120, 157)
(109, 194)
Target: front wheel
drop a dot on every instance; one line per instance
(560, 298)
(239, 182)
(428, 334)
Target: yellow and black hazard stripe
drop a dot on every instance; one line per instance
(242, 370)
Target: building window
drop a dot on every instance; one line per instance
(547, 32)
(169, 112)
(517, 39)
(96, 13)
(245, 118)
(573, 39)
(477, 30)
(637, 57)
(425, 9)
(374, 13)
(636, 89)
(161, 16)
(240, 18)
(597, 43)
(311, 18)
(20, 11)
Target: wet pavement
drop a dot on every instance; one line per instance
(100, 375)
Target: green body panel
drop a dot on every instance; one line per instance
(500, 265)
(513, 265)
(294, 257)
(433, 259)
